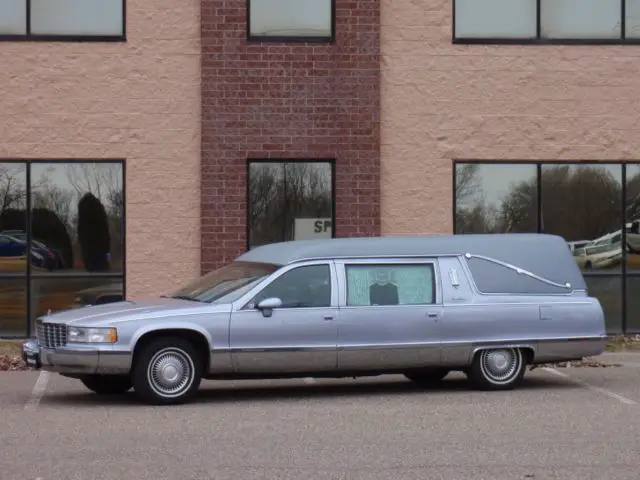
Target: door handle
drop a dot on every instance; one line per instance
(433, 314)
(328, 317)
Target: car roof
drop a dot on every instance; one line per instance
(543, 254)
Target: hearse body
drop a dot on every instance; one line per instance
(422, 306)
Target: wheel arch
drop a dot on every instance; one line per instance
(528, 350)
(198, 338)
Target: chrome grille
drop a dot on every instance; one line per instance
(51, 335)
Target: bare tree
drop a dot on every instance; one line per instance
(56, 199)
(13, 188)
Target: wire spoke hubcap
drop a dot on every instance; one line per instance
(170, 372)
(500, 366)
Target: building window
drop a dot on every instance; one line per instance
(61, 239)
(289, 200)
(286, 20)
(493, 198)
(582, 202)
(546, 21)
(102, 20)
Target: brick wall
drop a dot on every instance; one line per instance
(293, 100)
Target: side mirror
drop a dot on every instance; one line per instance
(267, 305)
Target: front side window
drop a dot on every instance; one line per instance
(369, 285)
(301, 287)
(290, 19)
(225, 284)
(100, 19)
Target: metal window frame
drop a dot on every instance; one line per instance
(29, 37)
(539, 40)
(623, 274)
(27, 277)
(284, 161)
(322, 39)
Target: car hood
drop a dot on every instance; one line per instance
(133, 310)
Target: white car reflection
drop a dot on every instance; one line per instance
(599, 256)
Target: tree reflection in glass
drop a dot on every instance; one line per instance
(77, 213)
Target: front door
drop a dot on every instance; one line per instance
(390, 314)
(298, 337)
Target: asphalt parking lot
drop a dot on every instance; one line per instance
(567, 423)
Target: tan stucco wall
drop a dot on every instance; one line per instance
(442, 101)
(138, 100)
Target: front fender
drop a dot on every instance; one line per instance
(168, 326)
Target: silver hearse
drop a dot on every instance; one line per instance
(422, 306)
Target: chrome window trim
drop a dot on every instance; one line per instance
(341, 273)
(519, 270)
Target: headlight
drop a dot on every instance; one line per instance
(92, 335)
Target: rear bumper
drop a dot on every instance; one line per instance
(557, 350)
(76, 360)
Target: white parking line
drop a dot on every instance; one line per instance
(620, 398)
(38, 390)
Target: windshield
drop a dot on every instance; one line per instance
(226, 284)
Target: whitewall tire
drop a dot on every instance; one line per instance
(497, 368)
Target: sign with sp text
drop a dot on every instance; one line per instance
(312, 228)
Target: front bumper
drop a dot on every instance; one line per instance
(76, 359)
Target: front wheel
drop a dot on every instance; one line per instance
(497, 369)
(107, 384)
(167, 371)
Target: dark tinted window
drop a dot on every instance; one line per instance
(76, 235)
(496, 198)
(308, 286)
(77, 217)
(491, 277)
(583, 203)
(290, 200)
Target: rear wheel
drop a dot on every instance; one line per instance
(497, 369)
(107, 384)
(167, 371)
(428, 376)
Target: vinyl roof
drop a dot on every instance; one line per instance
(545, 255)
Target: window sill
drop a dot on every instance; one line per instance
(64, 38)
(546, 41)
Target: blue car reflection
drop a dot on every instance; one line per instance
(14, 246)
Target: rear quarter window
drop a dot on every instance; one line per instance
(491, 277)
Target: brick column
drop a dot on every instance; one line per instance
(288, 100)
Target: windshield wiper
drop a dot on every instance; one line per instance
(183, 297)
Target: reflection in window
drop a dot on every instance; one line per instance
(13, 202)
(57, 294)
(633, 304)
(496, 198)
(390, 284)
(290, 18)
(13, 307)
(583, 204)
(77, 216)
(76, 232)
(301, 287)
(289, 201)
(632, 218)
(608, 290)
